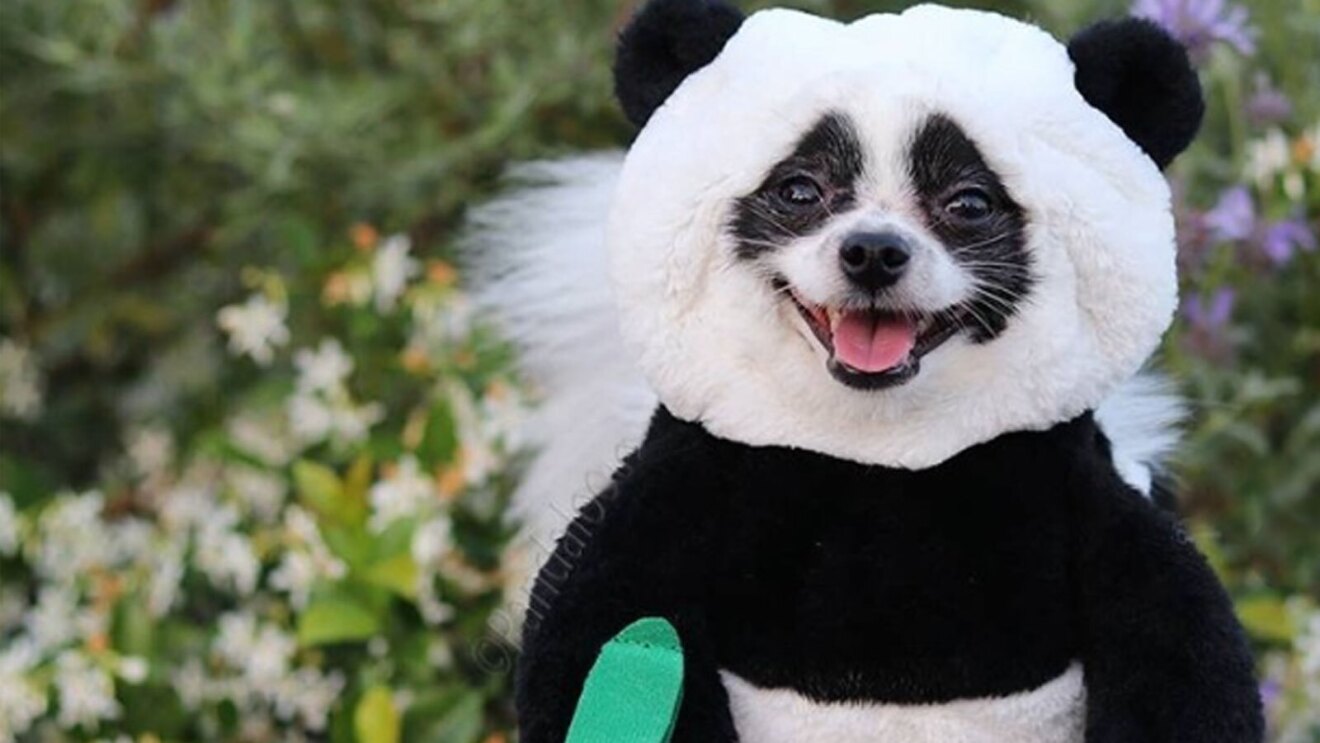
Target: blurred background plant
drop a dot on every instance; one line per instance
(255, 448)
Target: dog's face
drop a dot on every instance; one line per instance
(887, 250)
(890, 240)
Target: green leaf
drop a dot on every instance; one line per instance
(1266, 617)
(321, 490)
(395, 539)
(375, 720)
(452, 717)
(336, 618)
(397, 574)
(352, 545)
(440, 441)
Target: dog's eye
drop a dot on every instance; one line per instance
(970, 205)
(799, 192)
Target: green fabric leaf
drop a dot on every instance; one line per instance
(633, 692)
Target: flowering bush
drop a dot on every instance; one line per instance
(254, 454)
(312, 563)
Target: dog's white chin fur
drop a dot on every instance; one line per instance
(1101, 234)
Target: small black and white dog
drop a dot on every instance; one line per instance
(891, 283)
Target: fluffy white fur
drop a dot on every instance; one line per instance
(538, 261)
(1052, 713)
(1142, 420)
(1101, 234)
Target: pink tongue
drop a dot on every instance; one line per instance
(871, 343)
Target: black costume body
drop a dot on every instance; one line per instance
(984, 576)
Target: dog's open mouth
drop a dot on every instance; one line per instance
(875, 348)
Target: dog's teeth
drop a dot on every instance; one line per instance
(833, 314)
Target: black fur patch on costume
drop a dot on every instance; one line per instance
(664, 43)
(943, 162)
(987, 574)
(1141, 78)
(831, 156)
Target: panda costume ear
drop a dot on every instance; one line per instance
(1142, 79)
(664, 43)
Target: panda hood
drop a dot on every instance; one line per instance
(706, 331)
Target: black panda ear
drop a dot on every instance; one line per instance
(1141, 78)
(664, 43)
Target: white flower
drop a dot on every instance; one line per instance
(71, 538)
(8, 525)
(260, 491)
(390, 270)
(226, 557)
(1268, 157)
(20, 381)
(133, 669)
(352, 422)
(261, 437)
(432, 541)
(477, 456)
(260, 651)
(440, 655)
(166, 571)
(131, 540)
(324, 369)
(191, 684)
(255, 327)
(51, 623)
(307, 560)
(86, 692)
(310, 418)
(441, 321)
(186, 507)
(315, 418)
(433, 609)
(1308, 647)
(150, 450)
(21, 702)
(407, 492)
(308, 695)
(504, 416)
(295, 575)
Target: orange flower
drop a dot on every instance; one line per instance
(1304, 149)
(414, 360)
(450, 479)
(364, 236)
(441, 273)
(337, 289)
(98, 643)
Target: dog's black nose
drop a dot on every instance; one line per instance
(874, 260)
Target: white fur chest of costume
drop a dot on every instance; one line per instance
(1053, 713)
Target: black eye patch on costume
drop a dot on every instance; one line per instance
(802, 191)
(966, 205)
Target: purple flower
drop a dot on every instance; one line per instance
(1233, 218)
(1267, 104)
(1282, 239)
(1200, 24)
(1210, 316)
(1270, 693)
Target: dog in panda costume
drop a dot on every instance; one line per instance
(883, 292)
